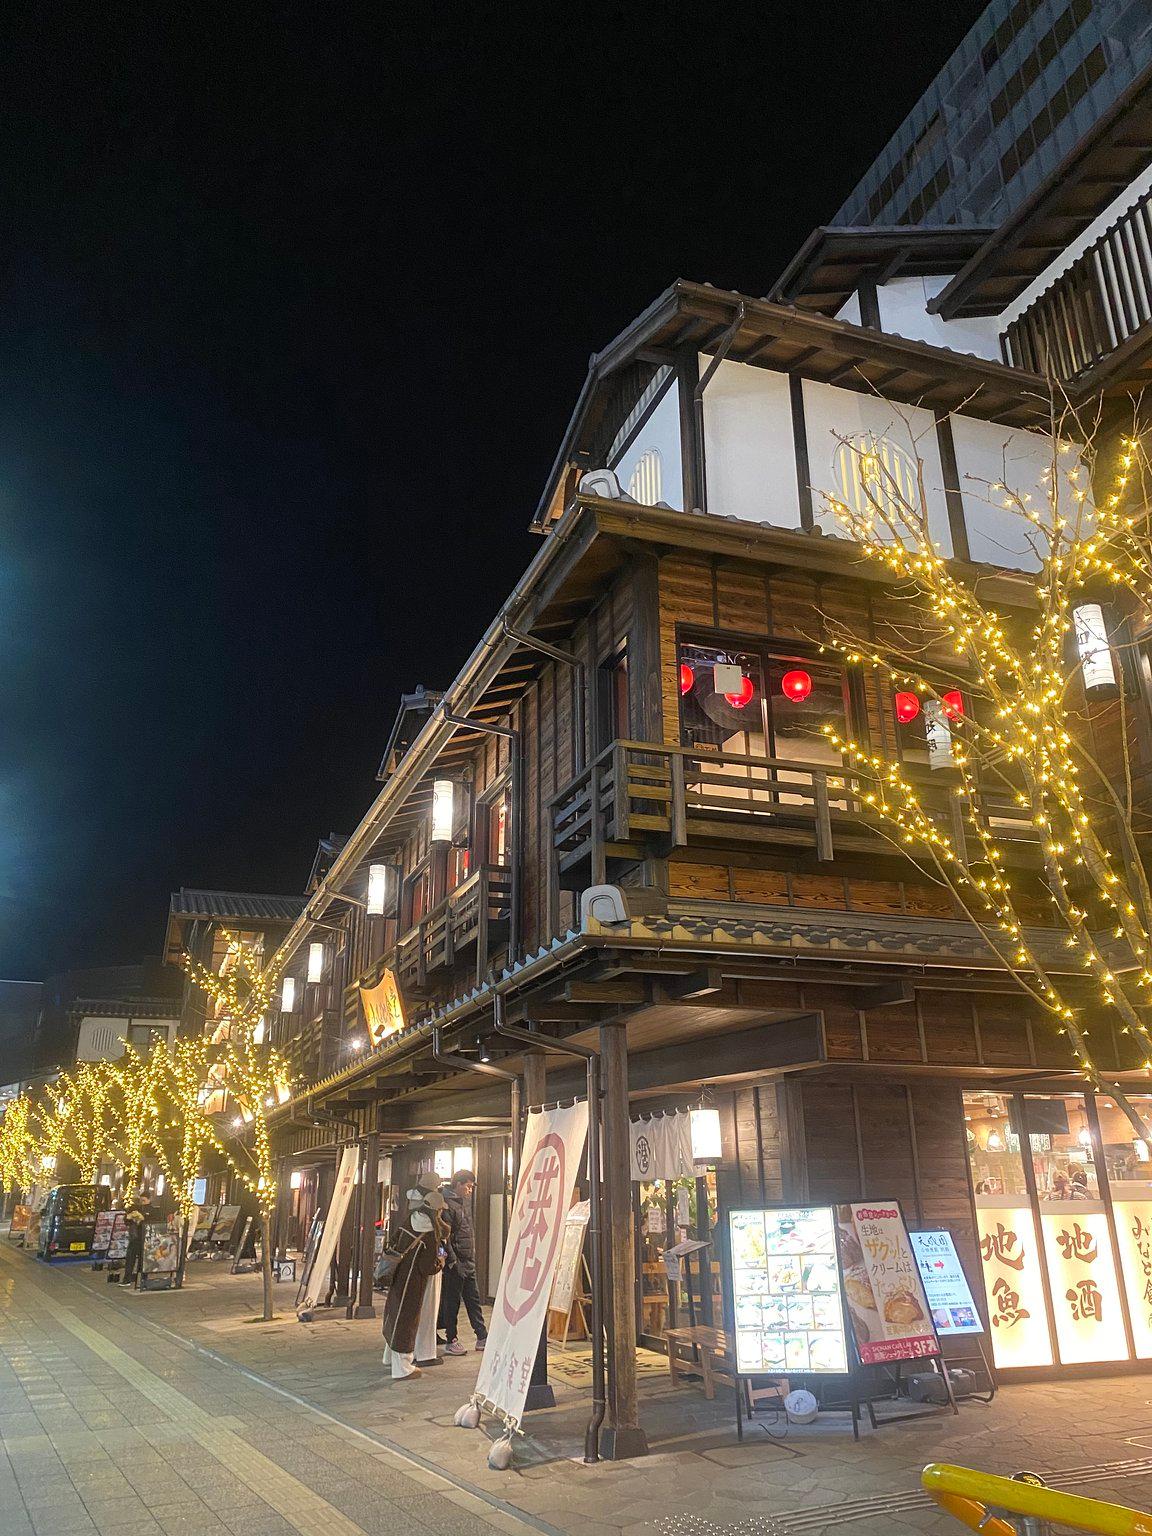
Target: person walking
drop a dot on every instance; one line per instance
(136, 1219)
(460, 1268)
(414, 1294)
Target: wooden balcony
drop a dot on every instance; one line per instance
(468, 925)
(1093, 309)
(314, 1047)
(640, 799)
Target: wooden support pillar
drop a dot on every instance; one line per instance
(369, 1209)
(540, 1393)
(623, 1436)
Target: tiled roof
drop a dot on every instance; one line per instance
(126, 1007)
(235, 905)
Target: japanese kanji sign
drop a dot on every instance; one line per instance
(1082, 1277)
(383, 1008)
(890, 1316)
(1134, 1230)
(946, 1284)
(549, 1163)
(1013, 1284)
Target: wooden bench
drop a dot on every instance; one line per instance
(708, 1357)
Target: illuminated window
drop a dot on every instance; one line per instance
(646, 482)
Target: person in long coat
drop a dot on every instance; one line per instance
(414, 1295)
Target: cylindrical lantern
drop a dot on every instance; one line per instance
(288, 994)
(295, 1179)
(1096, 664)
(315, 960)
(377, 889)
(443, 810)
(706, 1145)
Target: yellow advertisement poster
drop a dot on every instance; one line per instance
(383, 1008)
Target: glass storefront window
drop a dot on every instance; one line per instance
(1007, 1235)
(1060, 1141)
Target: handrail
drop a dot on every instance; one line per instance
(979, 1500)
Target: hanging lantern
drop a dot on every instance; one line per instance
(377, 889)
(952, 704)
(907, 707)
(706, 1143)
(443, 810)
(295, 1178)
(687, 678)
(744, 696)
(288, 994)
(796, 685)
(1095, 657)
(315, 960)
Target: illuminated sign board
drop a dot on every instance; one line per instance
(887, 1304)
(383, 1008)
(786, 1296)
(1082, 1277)
(1134, 1231)
(1013, 1283)
(945, 1284)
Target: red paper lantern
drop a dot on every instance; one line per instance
(745, 696)
(796, 685)
(907, 707)
(952, 704)
(687, 678)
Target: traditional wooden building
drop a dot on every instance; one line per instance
(623, 820)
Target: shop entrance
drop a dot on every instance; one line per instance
(675, 1294)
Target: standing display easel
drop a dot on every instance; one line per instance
(571, 1266)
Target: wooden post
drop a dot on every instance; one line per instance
(623, 1437)
(540, 1393)
(369, 1210)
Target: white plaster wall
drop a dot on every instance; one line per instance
(829, 411)
(903, 312)
(662, 432)
(989, 454)
(850, 310)
(749, 449)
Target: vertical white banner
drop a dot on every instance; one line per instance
(316, 1282)
(549, 1163)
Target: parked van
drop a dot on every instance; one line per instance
(69, 1219)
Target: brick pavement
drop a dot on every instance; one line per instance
(1095, 1435)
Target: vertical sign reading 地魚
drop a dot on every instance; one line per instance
(1013, 1283)
(549, 1163)
(887, 1304)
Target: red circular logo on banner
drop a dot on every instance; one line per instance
(538, 1220)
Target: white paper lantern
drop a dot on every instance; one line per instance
(443, 810)
(315, 960)
(288, 994)
(706, 1143)
(377, 889)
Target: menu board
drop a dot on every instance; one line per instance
(945, 1283)
(102, 1233)
(882, 1285)
(161, 1250)
(564, 1281)
(786, 1297)
(118, 1242)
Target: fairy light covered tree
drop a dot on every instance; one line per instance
(135, 1108)
(20, 1148)
(184, 1131)
(76, 1117)
(255, 1076)
(1018, 728)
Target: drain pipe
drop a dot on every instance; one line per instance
(591, 1059)
(568, 659)
(512, 737)
(718, 357)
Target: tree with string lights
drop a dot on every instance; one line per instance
(254, 1076)
(184, 1130)
(1019, 727)
(20, 1147)
(76, 1117)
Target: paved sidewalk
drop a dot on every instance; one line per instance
(1092, 1437)
(110, 1427)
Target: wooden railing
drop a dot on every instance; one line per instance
(470, 922)
(640, 797)
(1103, 298)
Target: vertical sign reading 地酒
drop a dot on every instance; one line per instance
(882, 1286)
(549, 1162)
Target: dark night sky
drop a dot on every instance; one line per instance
(294, 309)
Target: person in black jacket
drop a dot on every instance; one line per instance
(460, 1269)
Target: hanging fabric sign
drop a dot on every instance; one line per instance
(316, 1280)
(549, 1163)
(661, 1148)
(383, 1008)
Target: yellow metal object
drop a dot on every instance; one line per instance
(969, 1495)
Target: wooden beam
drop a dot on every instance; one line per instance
(623, 1436)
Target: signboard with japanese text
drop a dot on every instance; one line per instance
(945, 1283)
(549, 1163)
(565, 1282)
(315, 1284)
(102, 1233)
(1082, 1277)
(1134, 1231)
(383, 1008)
(224, 1225)
(887, 1305)
(118, 1241)
(786, 1295)
(1013, 1282)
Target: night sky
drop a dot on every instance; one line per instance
(295, 306)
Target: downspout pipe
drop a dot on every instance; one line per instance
(568, 659)
(718, 357)
(512, 736)
(539, 1042)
